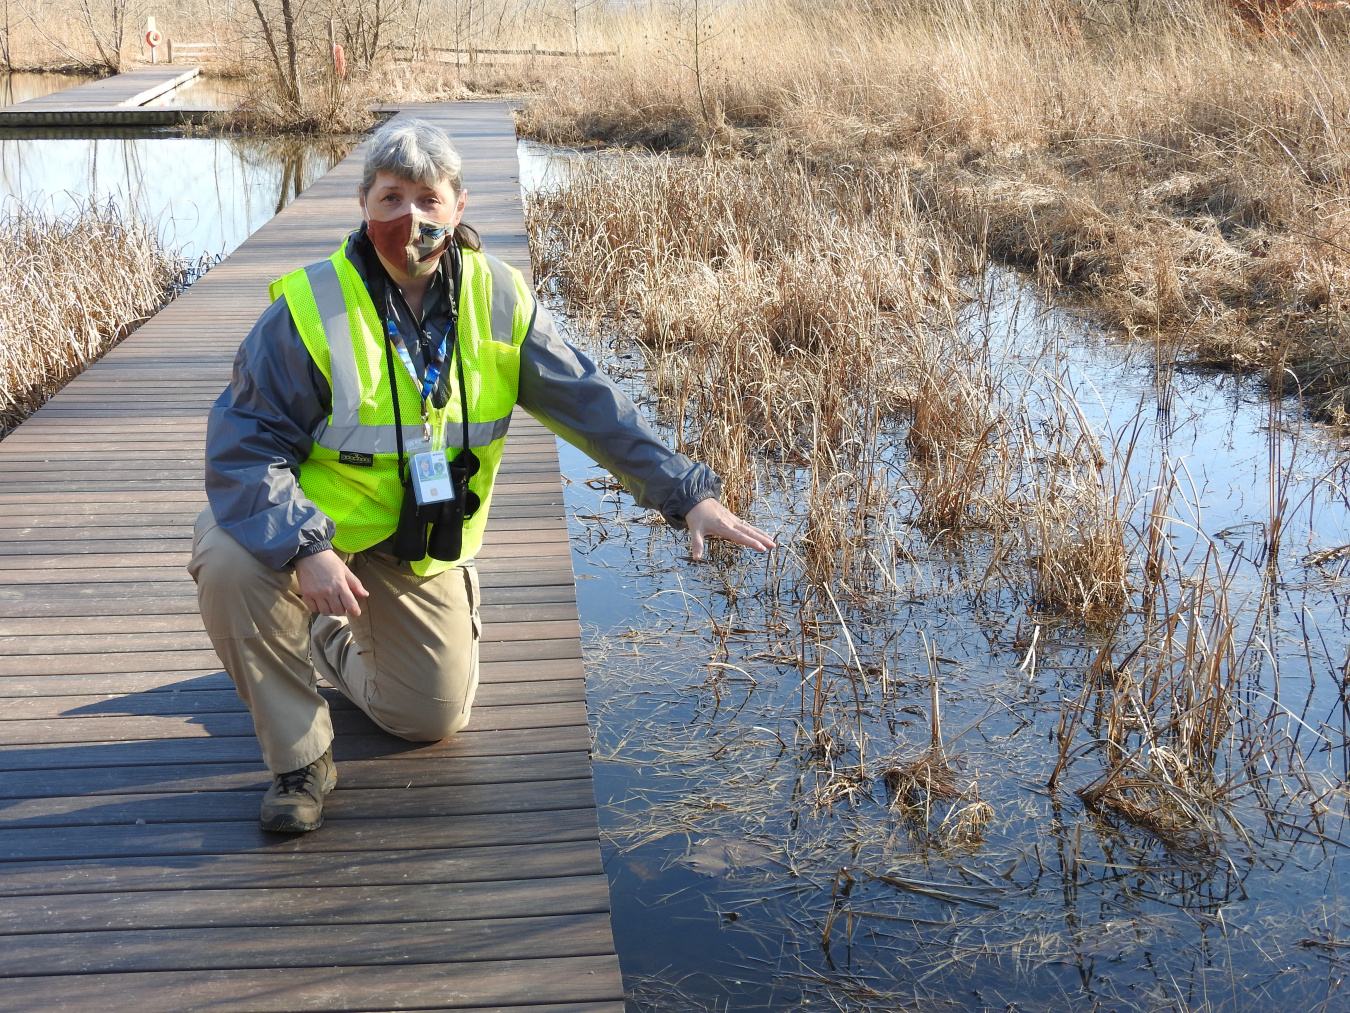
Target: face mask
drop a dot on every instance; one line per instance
(411, 241)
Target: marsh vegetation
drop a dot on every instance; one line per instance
(57, 316)
(97, 234)
(1162, 163)
(1042, 701)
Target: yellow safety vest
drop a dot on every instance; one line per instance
(352, 471)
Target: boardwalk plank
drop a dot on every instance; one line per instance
(93, 782)
(149, 726)
(326, 905)
(360, 745)
(218, 697)
(493, 615)
(156, 660)
(454, 875)
(49, 645)
(111, 685)
(263, 870)
(226, 948)
(353, 803)
(218, 838)
(473, 985)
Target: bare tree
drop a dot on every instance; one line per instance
(692, 37)
(106, 24)
(6, 58)
(571, 14)
(365, 25)
(285, 55)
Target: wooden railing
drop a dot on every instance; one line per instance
(473, 52)
(191, 49)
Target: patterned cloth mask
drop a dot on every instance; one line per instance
(413, 241)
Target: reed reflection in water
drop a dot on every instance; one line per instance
(204, 196)
(19, 86)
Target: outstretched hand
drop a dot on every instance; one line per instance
(327, 586)
(710, 519)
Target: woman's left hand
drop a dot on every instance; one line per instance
(710, 519)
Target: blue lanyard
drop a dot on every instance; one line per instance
(433, 371)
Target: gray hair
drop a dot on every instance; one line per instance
(415, 150)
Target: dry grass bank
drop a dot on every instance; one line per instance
(802, 333)
(1177, 176)
(56, 315)
(786, 318)
(805, 322)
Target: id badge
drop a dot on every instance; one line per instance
(431, 478)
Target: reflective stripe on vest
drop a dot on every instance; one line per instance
(346, 384)
(352, 473)
(384, 440)
(343, 431)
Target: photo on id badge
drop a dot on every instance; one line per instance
(431, 478)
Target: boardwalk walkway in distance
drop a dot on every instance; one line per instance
(133, 875)
(117, 101)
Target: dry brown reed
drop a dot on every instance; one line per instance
(1158, 708)
(920, 782)
(787, 318)
(767, 349)
(793, 283)
(1186, 181)
(1071, 510)
(71, 287)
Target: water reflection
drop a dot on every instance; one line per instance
(202, 92)
(21, 86)
(204, 196)
(737, 884)
(543, 165)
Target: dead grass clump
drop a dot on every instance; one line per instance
(1072, 517)
(783, 315)
(921, 781)
(955, 423)
(56, 315)
(1160, 718)
(261, 111)
(1150, 803)
(966, 825)
(1081, 568)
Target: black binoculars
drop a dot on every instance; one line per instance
(437, 529)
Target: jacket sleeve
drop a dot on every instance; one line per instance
(563, 389)
(257, 434)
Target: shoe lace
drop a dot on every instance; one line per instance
(294, 780)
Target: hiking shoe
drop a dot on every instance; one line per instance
(294, 803)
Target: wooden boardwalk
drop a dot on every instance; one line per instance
(133, 875)
(117, 101)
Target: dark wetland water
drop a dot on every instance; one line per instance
(756, 759)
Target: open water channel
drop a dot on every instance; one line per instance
(203, 196)
(736, 883)
(747, 873)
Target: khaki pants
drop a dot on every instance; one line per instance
(410, 660)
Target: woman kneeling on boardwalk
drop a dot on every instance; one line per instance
(350, 467)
